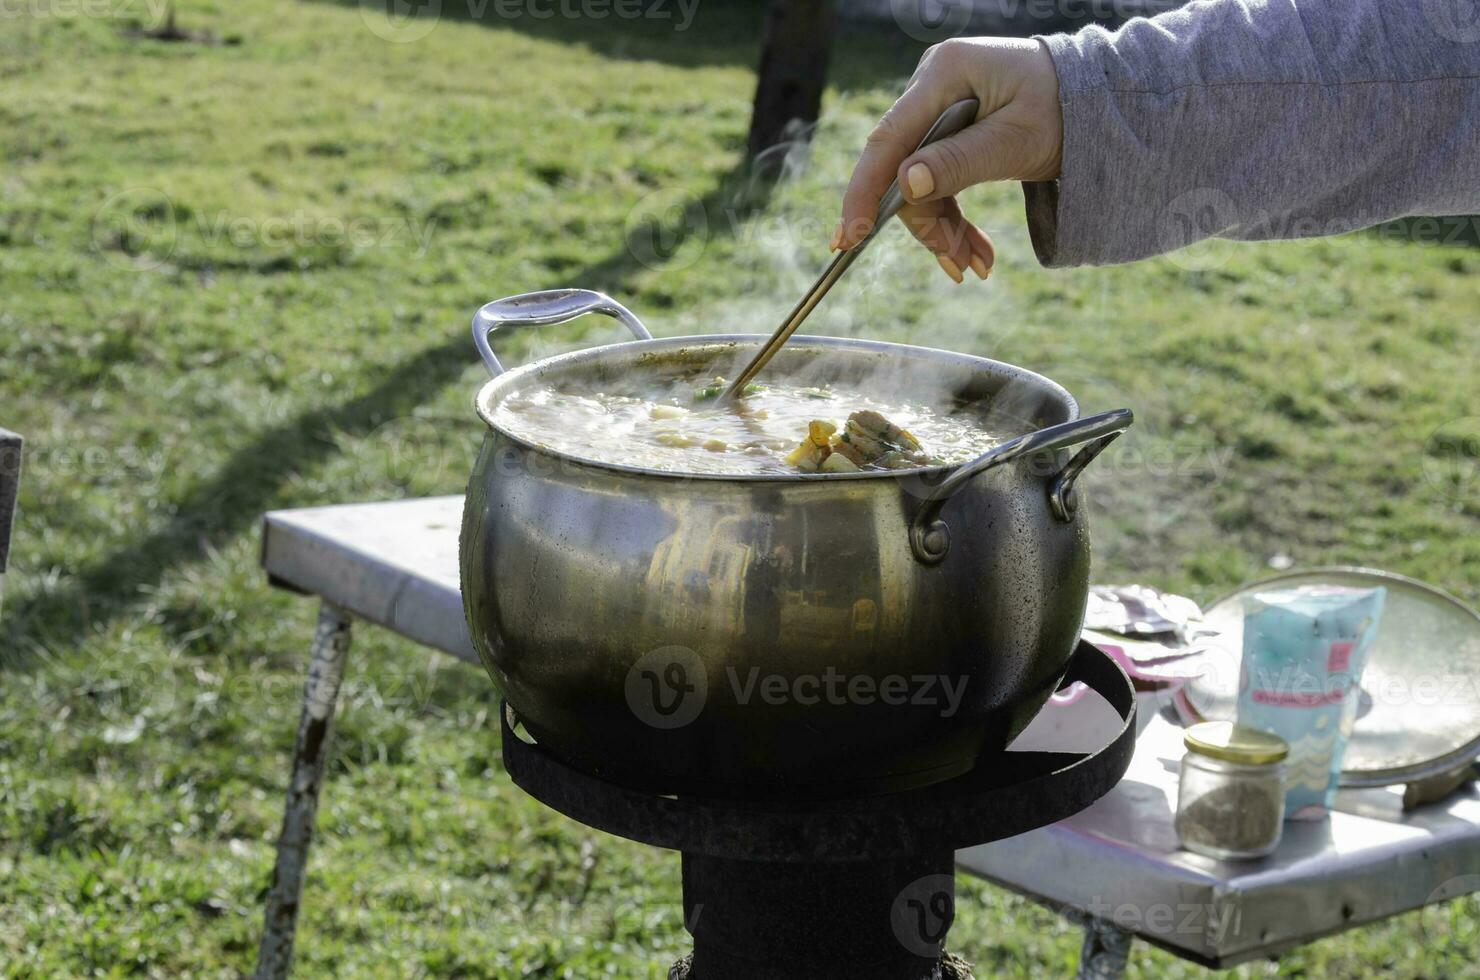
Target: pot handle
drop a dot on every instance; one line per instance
(545, 307)
(930, 537)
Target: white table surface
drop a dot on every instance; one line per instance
(395, 564)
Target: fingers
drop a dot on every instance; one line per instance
(896, 135)
(959, 245)
(981, 152)
(1019, 136)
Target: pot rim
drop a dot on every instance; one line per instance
(483, 401)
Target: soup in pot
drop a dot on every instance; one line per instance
(678, 423)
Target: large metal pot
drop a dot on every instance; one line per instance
(807, 635)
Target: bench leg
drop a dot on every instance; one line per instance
(1105, 951)
(10, 478)
(325, 669)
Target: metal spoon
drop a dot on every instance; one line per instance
(950, 122)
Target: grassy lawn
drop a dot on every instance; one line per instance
(236, 276)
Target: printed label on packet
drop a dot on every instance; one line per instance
(1304, 650)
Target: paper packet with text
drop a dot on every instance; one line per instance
(1304, 651)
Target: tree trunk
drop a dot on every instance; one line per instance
(793, 71)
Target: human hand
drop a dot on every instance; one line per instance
(1018, 135)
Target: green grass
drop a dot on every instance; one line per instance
(236, 277)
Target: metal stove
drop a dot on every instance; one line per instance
(853, 888)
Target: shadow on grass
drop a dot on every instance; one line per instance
(225, 505)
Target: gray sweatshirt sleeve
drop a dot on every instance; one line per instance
(1259, 119)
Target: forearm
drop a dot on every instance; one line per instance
(1221, 119)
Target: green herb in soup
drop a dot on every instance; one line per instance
(717, 387)
(678, 424)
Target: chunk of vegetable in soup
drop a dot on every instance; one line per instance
(681, 426)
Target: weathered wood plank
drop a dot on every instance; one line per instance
(315, 725)
(11, 446)
(10, 478)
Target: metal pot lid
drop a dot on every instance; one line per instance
(1419, 713)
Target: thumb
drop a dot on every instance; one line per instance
(981, 152)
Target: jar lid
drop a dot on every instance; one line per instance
(1235, 743)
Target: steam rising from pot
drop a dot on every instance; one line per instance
(893, 292)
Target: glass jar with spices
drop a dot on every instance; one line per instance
(1231, 799)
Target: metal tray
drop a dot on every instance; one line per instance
(1419, 714)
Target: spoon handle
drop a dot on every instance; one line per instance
(956, 118)
(952, 121)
